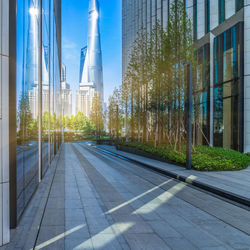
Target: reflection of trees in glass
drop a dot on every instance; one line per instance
(79, 123)
(201, 87)
(28, 127)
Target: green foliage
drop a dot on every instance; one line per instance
(96, 115)
(204, 158)
(74, 136)
(80, 123)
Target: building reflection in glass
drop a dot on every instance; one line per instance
(201, 97)
(226, 89)
(28, 92)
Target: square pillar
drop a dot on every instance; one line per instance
(4, 123)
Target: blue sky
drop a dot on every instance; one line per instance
(74, 37)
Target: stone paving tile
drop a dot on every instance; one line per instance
(51, 237)
(105, 241)
(74, 214)
(181, 243)
(53, 217)
(80, 243)
(145, 242)
(73, 203)
(55, 202)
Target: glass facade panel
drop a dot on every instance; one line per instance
(28, 106)
(201, 97)
(239, 4)
(195, 19)
(226, 90)
(221, 11)
(207, 16)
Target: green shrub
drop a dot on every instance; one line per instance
(204, 158)
(248, 154)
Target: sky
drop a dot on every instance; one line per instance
(74, 37)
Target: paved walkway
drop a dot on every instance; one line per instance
(234, 182)
(92, 201)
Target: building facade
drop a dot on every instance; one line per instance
(222, 40)
(30, 101)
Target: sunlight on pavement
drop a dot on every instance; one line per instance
(123, 227)
(160, 200)
(137, 197)
(60, 236)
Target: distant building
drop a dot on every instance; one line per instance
(66, 93)
(91, 73)
(83, 100)
(82, 61)
(63, 73)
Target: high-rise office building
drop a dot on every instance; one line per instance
(66, 93)
(30, 105)
(82, 61)
(221, 31)
(92, 74)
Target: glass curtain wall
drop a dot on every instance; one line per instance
(226, 89)
(201, 97)
(222, 10)
(195, 19)
(239, 4)
(45, 86)
(207, 16)
(28, 106)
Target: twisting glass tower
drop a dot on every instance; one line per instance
(31, 63)
(92, 75)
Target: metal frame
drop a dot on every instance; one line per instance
(40, 63)
(12, 112)
(189, 107)
(241, 88)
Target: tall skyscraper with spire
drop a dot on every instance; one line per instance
(92, 73)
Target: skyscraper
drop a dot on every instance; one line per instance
(92, 75)
(82, 61)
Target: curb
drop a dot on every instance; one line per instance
(220, 192)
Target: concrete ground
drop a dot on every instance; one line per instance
(89, 200)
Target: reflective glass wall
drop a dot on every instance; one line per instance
(202, 96)
(227, 58)
(29, 108)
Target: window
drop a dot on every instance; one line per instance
(226, 90)
(207, 16)
(195, 19)
(239, 4)
(201, 97)
(221, 11)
